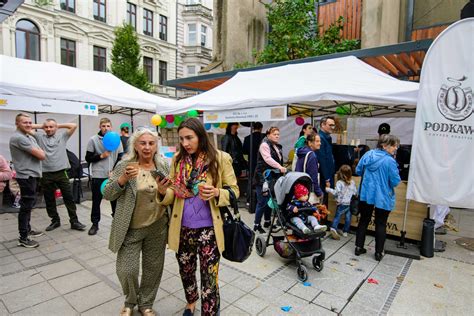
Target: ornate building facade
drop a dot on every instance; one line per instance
(80, 33)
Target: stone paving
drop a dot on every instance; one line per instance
(72, 273)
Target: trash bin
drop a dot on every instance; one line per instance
(427, 238)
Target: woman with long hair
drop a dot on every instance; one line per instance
(198, 185)
(270, 156)
(306, 154)
(140, 224)
(380, 176)
(306, 130)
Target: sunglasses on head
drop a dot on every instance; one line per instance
(146, 128)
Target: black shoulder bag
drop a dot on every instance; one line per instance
(238, 237)
(354, 207)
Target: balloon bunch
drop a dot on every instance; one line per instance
(168, 121)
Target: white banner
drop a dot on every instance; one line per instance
(263, 114)
(442, 158)
(22, 103)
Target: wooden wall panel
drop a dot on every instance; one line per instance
(427, 33)
(351, 10)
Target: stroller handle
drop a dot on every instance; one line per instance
(268, 172)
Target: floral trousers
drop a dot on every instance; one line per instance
(200, 242)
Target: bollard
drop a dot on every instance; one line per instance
(427, 238)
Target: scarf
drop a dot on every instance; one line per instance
(190, 176)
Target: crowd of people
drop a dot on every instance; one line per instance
(154, 204)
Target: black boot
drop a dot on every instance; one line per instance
(258, 229)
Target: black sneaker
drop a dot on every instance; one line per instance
(34, 234)
(78, 226)
(266, 224)
(53, 226)
(27, 243)
(359, 251)
(259, 229)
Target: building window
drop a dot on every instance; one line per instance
(163, 71)
(192, 36)
(68, 5)
(68, 52)
(132, 15)
(27, 39)
(147, 22)
(163, 28)
(193, 2)
(203, 35)
(100, 59)
(99, 9)
(191, 70)
(148, 67)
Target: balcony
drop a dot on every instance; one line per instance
(197, 9)
(196, 51)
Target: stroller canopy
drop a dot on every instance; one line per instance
(284, 184)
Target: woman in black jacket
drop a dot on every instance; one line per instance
(232, 145)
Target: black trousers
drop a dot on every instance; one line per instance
(49, 182)
(381, 217)
(96, 199)
(27, 202)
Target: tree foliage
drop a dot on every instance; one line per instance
(295, 33)
(126, 58)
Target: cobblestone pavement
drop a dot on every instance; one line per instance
(72, 273)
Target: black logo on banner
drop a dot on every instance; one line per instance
(454, 101)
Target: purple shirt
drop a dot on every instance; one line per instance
(196, 213)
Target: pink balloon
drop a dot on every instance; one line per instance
(169, 118)
(299, 121)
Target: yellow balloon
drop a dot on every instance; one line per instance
(223, 125)
(156, 119)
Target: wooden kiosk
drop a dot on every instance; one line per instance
(414, 222)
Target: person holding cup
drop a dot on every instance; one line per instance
(199, 172)
(140, 224)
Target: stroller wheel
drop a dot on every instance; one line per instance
(302, 273)
(260, 246)
(318, 263)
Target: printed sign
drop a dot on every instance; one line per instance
(263, 114)
(22, 103)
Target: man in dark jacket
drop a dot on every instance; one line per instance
(252, 152)
(325, 156)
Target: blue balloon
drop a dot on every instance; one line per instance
(111, 141)
(207, 126)
(102, 186)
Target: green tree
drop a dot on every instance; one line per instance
(126, 58)
(295, 33)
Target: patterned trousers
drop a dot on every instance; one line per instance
(151, 242)
(193, 243)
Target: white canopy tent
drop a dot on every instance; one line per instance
(319, 85)
(54, 84)
(63, 93)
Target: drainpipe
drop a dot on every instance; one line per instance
(409, 19)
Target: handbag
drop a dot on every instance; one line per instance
(355, 199)
(238, 237)
(313, 198)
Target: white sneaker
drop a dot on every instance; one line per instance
(306, 230)
(344, 234)
(334, 234)
(318, 228)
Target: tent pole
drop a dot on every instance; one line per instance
(80, 138)
(249, 176)
(36, 119)
(131, 119)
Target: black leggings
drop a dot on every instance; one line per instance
(381, 217)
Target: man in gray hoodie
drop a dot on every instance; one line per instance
(101, 163)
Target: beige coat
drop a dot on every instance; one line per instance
(226, 177)
(126, 198)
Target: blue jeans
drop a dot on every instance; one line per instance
(342, 210)
(262, 206)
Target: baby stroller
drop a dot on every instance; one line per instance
(288, 240)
